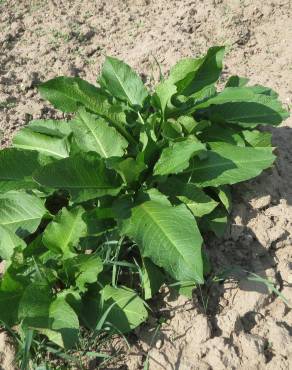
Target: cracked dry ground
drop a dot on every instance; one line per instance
(237, 325)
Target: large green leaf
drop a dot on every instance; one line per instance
(176, 157)
(64, 232)
(46, 137)
(193, 197)
(16, 169)
(54, 317)
(93, 133)
(242, 106)
(229, 164)
(83, 175)
(168, 235)
(35, 304)
(8, 242)
(21, 212)
(68, 93)
(123, 82)
(128, 310)
(192, 75)
(63, 323)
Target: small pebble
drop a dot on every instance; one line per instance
(158, 344)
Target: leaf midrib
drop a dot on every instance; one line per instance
(222, 164)
(120, 82)
(21, 220)
(21, 146)
(95, 137)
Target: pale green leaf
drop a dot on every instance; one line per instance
(21, 212)
(224, 194)
(129, 168)
(167, 235)
(68, 93)
(176, 157)
(46, 137)
(83, 175)
(128, 310)
(123, 82)
(163, 93)
(54, 317)
(35, 304)
(64, 321)
(51, 127)
(64, 232)
(257, 138)
(93, 133)
(8, 242)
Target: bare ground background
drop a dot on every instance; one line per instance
(234, 326)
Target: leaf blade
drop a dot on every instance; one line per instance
(123, 82)
(93, 133)
(177, 248)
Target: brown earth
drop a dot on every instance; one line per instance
(235, 325)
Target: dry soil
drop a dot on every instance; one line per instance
(235, 325)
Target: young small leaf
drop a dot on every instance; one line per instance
(123, 82)
(64, 232)
(8, 242)
(192, 75)
(163, 93)
(257, 138)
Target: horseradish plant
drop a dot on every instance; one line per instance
(99, 210)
